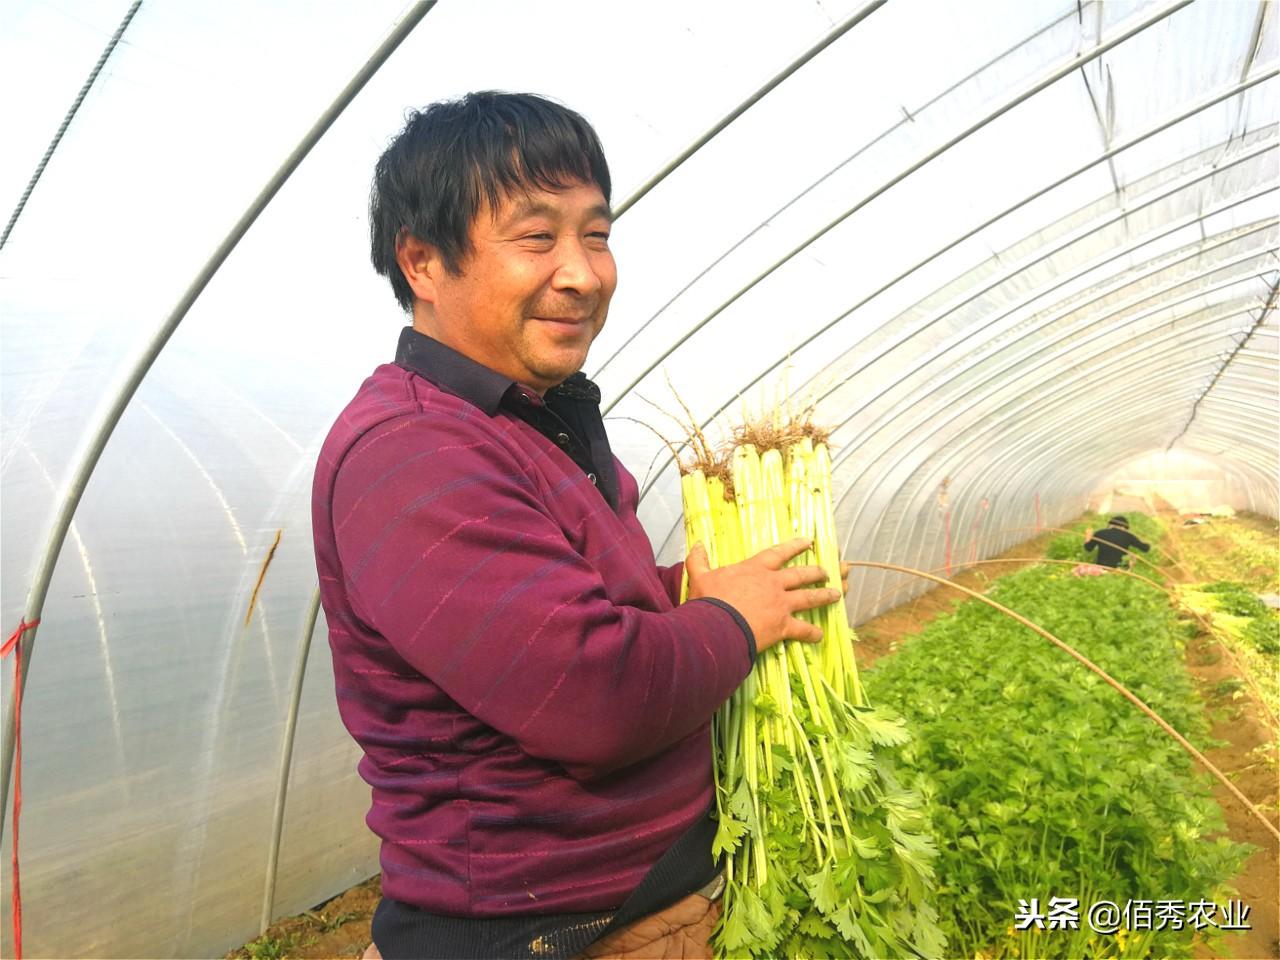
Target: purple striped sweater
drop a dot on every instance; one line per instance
(532, 705)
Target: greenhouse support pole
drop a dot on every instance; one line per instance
(66, 121)
(1094, 322)
(286, 758)
(1127, 30)
(948, 465)
(671, 165)
(994, 377)
(995, 437)
(1116, 148)
(91, 450)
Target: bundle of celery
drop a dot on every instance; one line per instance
(827, 852)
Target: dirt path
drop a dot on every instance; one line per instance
(338, 928)
(1248, 757)
(1234, 549)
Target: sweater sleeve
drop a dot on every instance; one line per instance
(672, 578)
(449, 554)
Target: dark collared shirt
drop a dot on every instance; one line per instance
(568, 416)
(1111, 544)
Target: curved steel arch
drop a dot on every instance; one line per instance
(1008, 362)
(808, 189)
(1080, 382)
(1264, 476)
(1244, 438)
(1087, 322)
(1180, 342)
(924, 486)
(838, 31)
(1101, 471)
(1119, 147)
(91, 449)
(1183, 183)
(1036, 87)
(1048, 443)
(1103, 288)
(957, 342)
(859, 609)
(997, 378)
(1037, 474)
(1178, 338)
(1236, 233)
(999, 496)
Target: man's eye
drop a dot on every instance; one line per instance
(600, 235)
(539, 236)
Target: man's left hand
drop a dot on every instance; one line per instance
(845, 567)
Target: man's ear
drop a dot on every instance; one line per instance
(421, 265)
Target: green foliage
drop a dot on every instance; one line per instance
(1069, 546)
(327, 923)
(269, 948)
(1242, 548)
(827, 853)
(850, 861)
(1236, 599)
(1042, 780)
(1237, 611)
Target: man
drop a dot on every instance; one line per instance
(1114, 542)
(531, 697)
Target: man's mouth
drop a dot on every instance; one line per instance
(565, 323)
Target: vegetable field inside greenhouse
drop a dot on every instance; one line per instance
(563, 479)
(1041, 781)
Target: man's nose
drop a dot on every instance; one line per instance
(577, 270)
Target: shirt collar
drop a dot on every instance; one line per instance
(449, 369)
(474, 382)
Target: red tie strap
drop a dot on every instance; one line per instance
(10, 646)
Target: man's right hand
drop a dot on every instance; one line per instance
(766, 593)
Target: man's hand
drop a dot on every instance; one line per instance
(766, 593)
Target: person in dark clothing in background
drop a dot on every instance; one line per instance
(1113, 541)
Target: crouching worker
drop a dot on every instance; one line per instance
(531, 697)
(1113, 542)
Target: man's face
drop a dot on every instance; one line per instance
(535, 288)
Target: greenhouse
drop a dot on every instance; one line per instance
(994, 281)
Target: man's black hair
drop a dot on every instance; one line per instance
(455, 155)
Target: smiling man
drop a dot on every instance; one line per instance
(530, 694)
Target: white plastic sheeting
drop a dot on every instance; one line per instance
(1188, 482)
(1007, 248)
